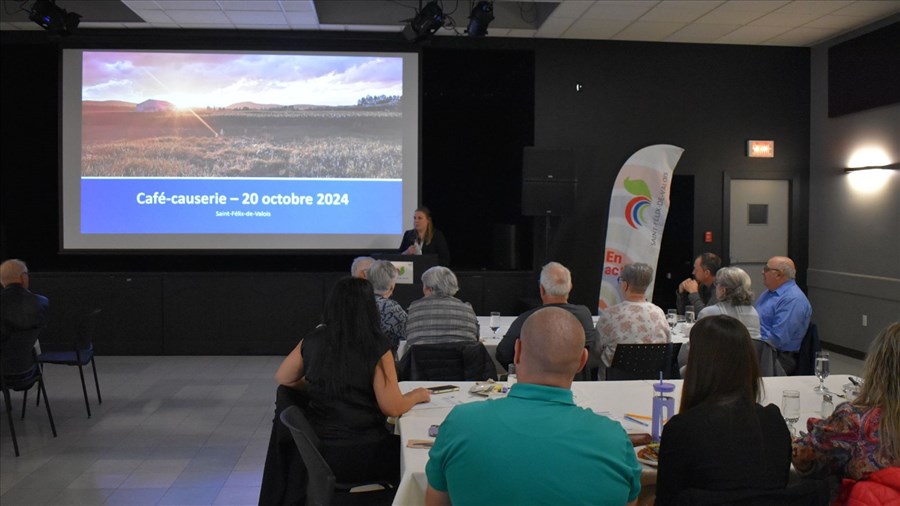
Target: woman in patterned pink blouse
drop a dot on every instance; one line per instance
(634, 320)
(861, 437)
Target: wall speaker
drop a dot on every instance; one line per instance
(549, 181)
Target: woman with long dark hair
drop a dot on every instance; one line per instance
(345, 369)
(722, 439)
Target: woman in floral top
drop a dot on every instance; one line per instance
(632, 321)
(862, 436)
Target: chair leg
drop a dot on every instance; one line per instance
(37, 398)
(84, 390)
(96, 383)
(47, 405)
(12, 429)
(24, 400)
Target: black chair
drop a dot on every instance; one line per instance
(81, 354)
(322, 488)
(454, 361)
(643, 361)
(806, 356)
(805, 493)
(19, 371)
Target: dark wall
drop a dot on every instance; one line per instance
(707, 99)
(483, 101)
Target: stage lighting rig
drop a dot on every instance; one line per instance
(479, 19)
(52, 17)
(427, 20)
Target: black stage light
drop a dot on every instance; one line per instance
(481, 16)
(427, 21)
(53, 18)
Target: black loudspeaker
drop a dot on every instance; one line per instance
(549, 182)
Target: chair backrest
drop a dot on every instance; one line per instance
(454, 361)
(807, 492)
(17, 355)
(84, 333)
(320, 482)
(769, 365)
(806, 357)
(642, 361)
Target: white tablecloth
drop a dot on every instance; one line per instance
(610, 398)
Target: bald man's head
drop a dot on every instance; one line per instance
(12, 271)
(551, 345)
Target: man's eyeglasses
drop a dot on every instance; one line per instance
(767, 269)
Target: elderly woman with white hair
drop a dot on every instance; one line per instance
(439, 317)
(735, 299)
(383, 276)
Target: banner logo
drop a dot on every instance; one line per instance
(634, 210)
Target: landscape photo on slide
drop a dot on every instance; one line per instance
(175, 114)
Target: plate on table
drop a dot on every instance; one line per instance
(648, 454)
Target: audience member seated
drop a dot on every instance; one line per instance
(735, 299)
(534, 446)
(784, 311)
(21, 309)
(360, 266)
(634, 320)
(439, 317)
(862, 436)
(722, 439)
(383, 276)
(346, 369)
(699, 291)
(555, 286)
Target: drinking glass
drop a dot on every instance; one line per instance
(495, 322)
(821, 371)
(672, 317)
(689, 317)
(790, 408)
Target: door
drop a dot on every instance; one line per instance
(758, 224)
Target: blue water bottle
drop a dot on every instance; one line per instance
(663, 407)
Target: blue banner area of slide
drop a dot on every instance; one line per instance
(240, 206)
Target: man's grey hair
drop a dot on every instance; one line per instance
(441, 281)
(359, 265)
(736, 283)
(556, 279)
(382, 275)
(638, 276)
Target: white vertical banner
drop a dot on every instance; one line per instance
(637, 216)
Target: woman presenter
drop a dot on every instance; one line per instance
(424, 238)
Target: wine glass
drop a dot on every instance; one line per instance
(790, 408)
(495, 322)
(822, 370)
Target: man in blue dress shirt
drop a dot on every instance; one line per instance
(784, 310)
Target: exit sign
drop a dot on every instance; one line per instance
(761, 149)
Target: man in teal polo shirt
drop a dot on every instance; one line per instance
(535, 446)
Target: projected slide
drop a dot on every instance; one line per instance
(297, 147)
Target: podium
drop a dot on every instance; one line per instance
(409, 283)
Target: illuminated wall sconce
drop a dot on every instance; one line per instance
(892, 166)
(761, 149)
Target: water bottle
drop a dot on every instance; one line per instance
(827, 406)
(663, 407)
(511, 374)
